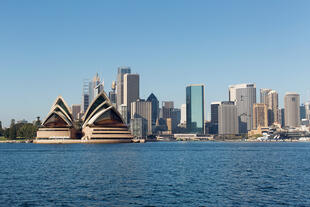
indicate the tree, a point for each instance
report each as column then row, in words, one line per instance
column 27, row 131
column 1, row 130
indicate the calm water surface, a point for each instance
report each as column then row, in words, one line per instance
column 155, row 174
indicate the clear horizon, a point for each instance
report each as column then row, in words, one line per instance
column 48, row 48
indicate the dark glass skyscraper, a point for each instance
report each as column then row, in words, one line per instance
column 155, row 107
column 195, row 110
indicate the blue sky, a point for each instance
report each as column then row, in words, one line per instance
column 47, row 48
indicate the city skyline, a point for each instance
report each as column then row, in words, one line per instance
column 210, row 43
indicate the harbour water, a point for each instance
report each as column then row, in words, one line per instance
column 155, row 174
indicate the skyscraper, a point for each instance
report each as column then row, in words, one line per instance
column 195, row 108
column 260, row 115
column 93, row 89
column 85, row 96
column 167, row 107
column 112, row 94
column 143, row 109
column 292, row 110
column 302, row 111
column 244, row 96
column 76, row 110
column 120, row 84
column 183, row 113
column 214, row 117
column 307, row 108
column 227, row 118
column 131, row 89
column 155, row 107
column 273, row 107
column 263, row 95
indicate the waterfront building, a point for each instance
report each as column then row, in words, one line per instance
column 244, row 96
column 213, row 126
column 76, row 111
column 120, row 84
column 143, row 109
column 103, row 123
column 195, row 108
column 183, row 113
column 227, row 118
column 58, row 123
column 264, row 95
column 138, row 128
column 292, row 110
column 260, row 115
column 155, row 108
column 272, row 102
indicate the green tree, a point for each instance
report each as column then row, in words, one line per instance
column 27, row 131
column 12, row 132
column 1, row 130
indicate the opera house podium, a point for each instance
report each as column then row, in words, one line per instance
column 101, row 123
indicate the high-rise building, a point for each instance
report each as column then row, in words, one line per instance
column 131, row 89
column 263, row 95
column 244, row 96
column 143, row 109
column 76, row 110
column 93, row 89
column 292, row 110
column 282, row 117
column 112, row 94
column 195, row 108
column 123, row 110
column 213, row 128
column 272, row 102
column 227, row 118
column 138, row 128
column 155, row 107
column 302, row 111
column 120, row 84
column 307, row 108
column 183, row 113
column 166, row 109
column 175, row 118
column 260, row 115
column 85, row 96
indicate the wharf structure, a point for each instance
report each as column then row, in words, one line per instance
column 101, row 123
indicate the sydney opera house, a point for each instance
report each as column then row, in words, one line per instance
column 101, row 123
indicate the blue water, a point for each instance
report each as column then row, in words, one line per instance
column 155, row 174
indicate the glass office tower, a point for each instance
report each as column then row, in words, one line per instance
column 195, row 110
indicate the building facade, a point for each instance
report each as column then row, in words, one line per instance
column 195, row 108
column 76, row 111
column 120, row 84
column 292, row 110
column 228, row 123
column 143, row 109
column 155, row 107
column 260, row 115
column 263, row 95
column 273, row 107
column 244, row 96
